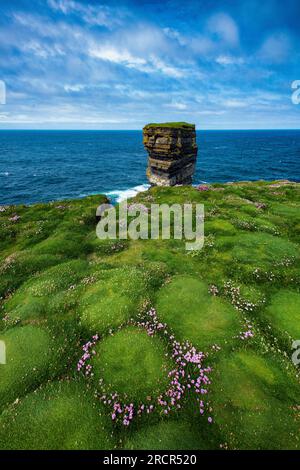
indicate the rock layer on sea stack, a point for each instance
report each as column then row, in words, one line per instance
column 172, row 153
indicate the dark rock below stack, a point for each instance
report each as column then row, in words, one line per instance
column 172, row 153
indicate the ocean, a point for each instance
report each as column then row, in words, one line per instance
column 40, row 166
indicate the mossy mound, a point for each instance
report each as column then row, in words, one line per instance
column 62, row 415
column 171, row 435
column 187, row 307
column 253, row 402
column 283, row 313
column 257, row 248
column 32, row 299
column 15, row 268
column 65, row 243
column 132, row 364
column 252, row 295
column 287, row 211
column 159, row 251
column 219, row 227
column 113, row 300
column 30, row 356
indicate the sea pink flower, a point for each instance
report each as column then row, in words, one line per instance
column 203, row 187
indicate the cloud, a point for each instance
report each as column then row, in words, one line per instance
column 229, row 60
column 41, row 25
column 125, row 58
column 174, row 34
column 277, row 48
column 224, row 27
column 65, row 6
column 118, row 56
column 113, row 63
column 178, row 105
column 211, row 112
column 74, row 88
column 201, row 44
column 235, row 103
column 161, row 66
column 43, row 50
column 100, row 15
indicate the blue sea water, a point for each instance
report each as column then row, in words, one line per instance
column 38, row 166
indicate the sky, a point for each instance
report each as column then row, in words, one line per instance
column 93, row 64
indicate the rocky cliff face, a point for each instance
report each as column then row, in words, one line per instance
column 172, row 153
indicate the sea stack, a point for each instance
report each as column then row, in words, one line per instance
column 172, row 153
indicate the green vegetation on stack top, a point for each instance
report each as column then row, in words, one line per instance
column 172, row 125
column 59, row 285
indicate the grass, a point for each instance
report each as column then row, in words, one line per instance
column 133, row 364
column 193, row 314
column 60, row 285
column 113, row 300
column 173, row 125
column 172, row 435
column 61, row 415
column 254, row 398
column 283, row 313
column 30, row 357
column 35, row 297
column 263, row 248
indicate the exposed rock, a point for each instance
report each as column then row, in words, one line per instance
column 281, row 183
column 172, row 153
column 15, row 218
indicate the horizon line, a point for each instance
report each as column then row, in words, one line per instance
column 140, row 129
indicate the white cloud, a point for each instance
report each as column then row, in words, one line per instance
column 44, row 51
column 179, row 105
column 161, row 66
column 235, row 103
column 142, row 47
column 74, row 88
column 118, row 56
column 211, row 113
column 174, row 34
column 65, row 6
column 144, row 38
column 99, row 15
column 224, row 27
column 276, row 48
column 124, row 57
column 229, row 60
column 201, row 44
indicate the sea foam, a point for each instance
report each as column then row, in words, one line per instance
column 119, row 195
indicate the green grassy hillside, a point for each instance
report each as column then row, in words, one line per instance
column 142, row 344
